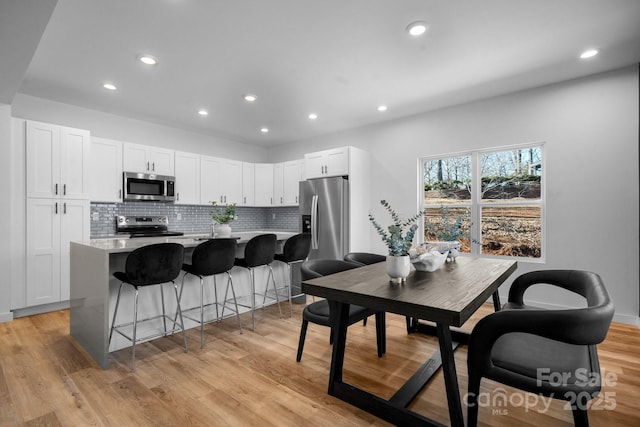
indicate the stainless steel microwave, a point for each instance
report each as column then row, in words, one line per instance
column 149, row 187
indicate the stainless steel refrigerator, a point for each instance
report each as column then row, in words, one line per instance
column 324, row 212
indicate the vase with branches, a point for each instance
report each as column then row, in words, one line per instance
column 399, row 239
column 222, row 215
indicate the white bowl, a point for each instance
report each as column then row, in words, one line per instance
column 429, row 261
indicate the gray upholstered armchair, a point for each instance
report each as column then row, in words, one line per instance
column 530, row 348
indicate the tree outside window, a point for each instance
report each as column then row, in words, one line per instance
column 492, row 199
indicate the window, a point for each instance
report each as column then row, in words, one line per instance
column 491, row 201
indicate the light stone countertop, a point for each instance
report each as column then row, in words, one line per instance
column 116, row 244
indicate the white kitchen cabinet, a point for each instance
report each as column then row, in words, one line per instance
column 248, row 177
column 51, row 224
column 321, row 164
column 231, row 180
column 221, row 180
column 263, row 184
column 105, row 170
column 293, row 174
column 278, row 184
column 210, row 185
column 286, row 178
column 148, row 159
column 57, row 161
column 187, row 173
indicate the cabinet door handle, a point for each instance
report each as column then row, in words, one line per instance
column 64, row 189
column 153, row 166
column 281, row 200
column 178, row 197
column 56, row 208
column 64, row 208
column 147, row 165
column 56, row 190
column 221, row 199
column 271, row 200
column 119, row 194
column 244, row 200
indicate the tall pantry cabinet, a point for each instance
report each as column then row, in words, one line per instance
column 57, row 207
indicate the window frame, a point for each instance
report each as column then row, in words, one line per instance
column 475, row 204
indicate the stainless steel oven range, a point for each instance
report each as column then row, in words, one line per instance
column 144, row 226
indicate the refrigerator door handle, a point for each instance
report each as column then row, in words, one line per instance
column 314, row 222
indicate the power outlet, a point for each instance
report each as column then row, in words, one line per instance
column 179, row 216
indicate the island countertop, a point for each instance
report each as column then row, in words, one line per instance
column 116, row 245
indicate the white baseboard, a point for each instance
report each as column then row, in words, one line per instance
column 6, row 317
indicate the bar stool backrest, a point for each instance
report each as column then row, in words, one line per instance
column 153, row 264
column 260, row 250
column 297, row 247
column 214, row 256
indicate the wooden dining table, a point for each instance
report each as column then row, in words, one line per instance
column 446, row 297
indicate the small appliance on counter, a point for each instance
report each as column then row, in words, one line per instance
column 144, row 226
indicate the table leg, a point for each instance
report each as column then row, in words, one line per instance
column 341, row 317
column 496, row 301
column 450, row 377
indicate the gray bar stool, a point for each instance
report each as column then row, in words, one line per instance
column 154, row 264
column 211, row 258
column 259, row 252
column 296, row 250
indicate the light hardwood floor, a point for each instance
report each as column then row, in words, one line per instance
column 252, row 379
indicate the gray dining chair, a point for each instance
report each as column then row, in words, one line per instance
column 518, row 344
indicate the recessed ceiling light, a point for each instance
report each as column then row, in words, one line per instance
column 382, row 108
column 148, row 59
column 203, row 112
column 109, row 86
column 250, row 97
column 313, row 116
column 590, row 53
column 264, row 130
column 417, row 28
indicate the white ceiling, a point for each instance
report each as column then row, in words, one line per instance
column 337, row 58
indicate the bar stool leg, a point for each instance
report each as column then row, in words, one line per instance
column 235, row 302
column 215, row 296
column 275, row 288
column 135, row 324
column 201, row 312
column 164, row 315
column 184, row 335
column 253, row 300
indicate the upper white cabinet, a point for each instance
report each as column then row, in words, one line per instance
column 248, row 177
column 187, row 173
column 105, row 170
column 57, row 161
column 321, row 164
column 231, row 179
column 147, row 159
column 221, row 180
column 286, row 179
column 210, row 186
column 263, row 184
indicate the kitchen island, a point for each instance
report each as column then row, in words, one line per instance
column 94, row 289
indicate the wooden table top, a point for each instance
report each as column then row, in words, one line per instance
column 449, row 295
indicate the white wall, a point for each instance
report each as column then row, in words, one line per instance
column 5, row 211
column 120, row 128
column 590, row 127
